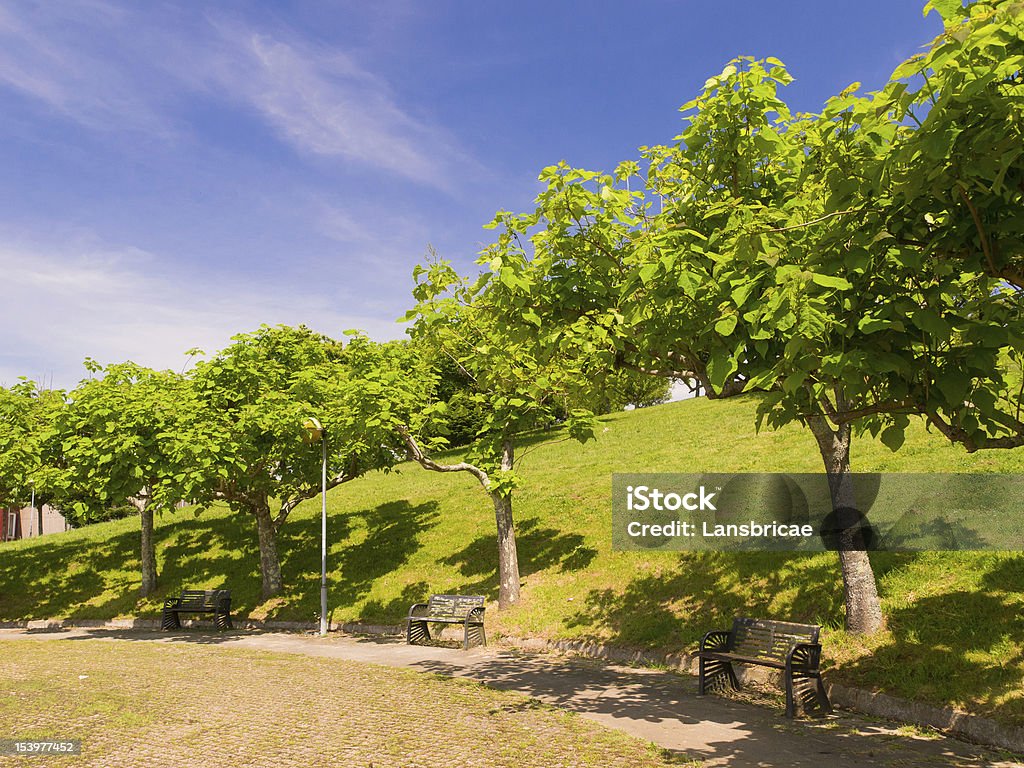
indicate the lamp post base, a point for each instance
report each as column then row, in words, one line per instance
column 323, row 610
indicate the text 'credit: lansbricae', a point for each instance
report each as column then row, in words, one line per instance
column 812, row 512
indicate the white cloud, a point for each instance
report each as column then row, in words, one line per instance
column 66, row 56
column 384, row 248
column 322, row 102
column 116, row 67
column 60, row 307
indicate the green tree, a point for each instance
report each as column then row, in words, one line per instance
column 130, row 435
column 946, row 195
column 26, row 418
column 261, row 389
column 757, row 253
column 464, row 414
column 628, row 388
column 513, row 389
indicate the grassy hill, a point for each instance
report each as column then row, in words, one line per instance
column 955, row 620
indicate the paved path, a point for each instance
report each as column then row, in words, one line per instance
column 658, row 706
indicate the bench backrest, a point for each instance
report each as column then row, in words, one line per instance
column 204, row 599
column 767, row 639
column 456, row 606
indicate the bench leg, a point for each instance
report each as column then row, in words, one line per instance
column 806, row 689
column 715, row 674
column 790, row 704
column 416, row 632
column 822, row 694
column 474, row 635
column 169, row 620
column 811, row 692
column 223, row 621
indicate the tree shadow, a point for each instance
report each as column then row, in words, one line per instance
column 391, row 537
column 720, row 730
column 960, row 647
column 396, row 609
column 707, row 590
column 539, row 549
column 72, row 576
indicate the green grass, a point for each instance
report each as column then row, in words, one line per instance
column 955, row 628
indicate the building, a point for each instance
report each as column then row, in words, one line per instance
column 26, row 522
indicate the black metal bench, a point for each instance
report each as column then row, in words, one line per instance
column 792, row 648
column 467, row 610
column 215, row 601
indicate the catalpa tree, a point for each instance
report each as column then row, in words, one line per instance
column 132, row 435
column 261, row 390
column 26, row 420
column 740, row 257
column 514, row 389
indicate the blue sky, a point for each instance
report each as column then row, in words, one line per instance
column 174, row 173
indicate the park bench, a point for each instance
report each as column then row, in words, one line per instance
column 791, row 648
column 215, row 601
column 467, row 610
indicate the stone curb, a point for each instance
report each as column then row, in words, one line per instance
column 973, row 728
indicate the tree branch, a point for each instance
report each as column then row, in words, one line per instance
column 981, row 231
column 953, row 434
column 845, row 417
column 809, row 223
column 417, row 455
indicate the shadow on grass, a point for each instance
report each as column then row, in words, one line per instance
column 71, row 576
column 964, row 646
column 958, row 647
column 703, row 591
column 539, row 549
column 385, row 538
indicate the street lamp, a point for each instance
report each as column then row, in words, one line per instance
column 315, row 431
column 33, row 514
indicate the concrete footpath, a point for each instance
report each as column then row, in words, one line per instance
column 658, row 706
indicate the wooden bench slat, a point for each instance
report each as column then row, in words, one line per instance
column 759, row 660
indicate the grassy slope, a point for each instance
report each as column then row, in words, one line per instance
column 956, row 633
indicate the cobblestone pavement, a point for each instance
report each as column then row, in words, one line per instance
column 144, row 704
column 270, row 709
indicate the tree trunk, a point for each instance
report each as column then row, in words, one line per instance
column 508, row 557
column 860, row 592
column 148, row 548
column 270, row 564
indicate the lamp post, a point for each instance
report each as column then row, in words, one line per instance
column 317, row 432
column 33, row 515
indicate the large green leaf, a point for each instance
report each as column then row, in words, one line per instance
column 726, row 325
column 893, row 437
column 832, row 281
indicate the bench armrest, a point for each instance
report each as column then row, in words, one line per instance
column 805, row 656
column 418, row 611
column 172, row 602
column 475, row 614
column 716, row 640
